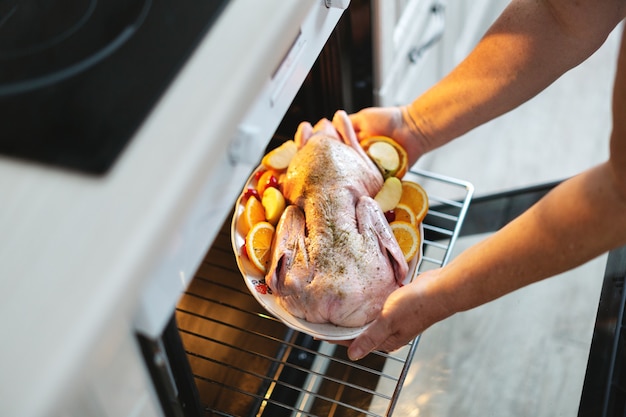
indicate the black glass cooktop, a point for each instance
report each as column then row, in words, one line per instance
column 78, row 77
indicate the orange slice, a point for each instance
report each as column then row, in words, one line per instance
column 408, row 238
column 265, row 180
column 414, row 196
column 259, row 245
column 253, row 213
column 402, row 155
column 404, row 213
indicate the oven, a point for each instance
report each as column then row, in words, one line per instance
column 129, row 130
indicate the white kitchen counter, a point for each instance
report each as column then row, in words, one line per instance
column 76, row 251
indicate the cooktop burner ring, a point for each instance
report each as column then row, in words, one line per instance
column 73, row 36
column 58, row 30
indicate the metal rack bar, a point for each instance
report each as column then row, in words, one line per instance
column 247, row 363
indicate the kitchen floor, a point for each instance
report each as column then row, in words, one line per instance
column 524, row 354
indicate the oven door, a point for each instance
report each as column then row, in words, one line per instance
column 213, row 203
column 245, row 147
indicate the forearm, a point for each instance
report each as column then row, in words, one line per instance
column 531, row 45
column 579, row 220
column 528, row 47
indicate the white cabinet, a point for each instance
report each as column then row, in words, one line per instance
column 404, row 34
column 466, row 22
column 416, row 42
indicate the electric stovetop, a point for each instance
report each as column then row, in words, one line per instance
column 78, row 77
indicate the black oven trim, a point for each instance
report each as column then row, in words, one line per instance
column 604, row 389
column 171, row 374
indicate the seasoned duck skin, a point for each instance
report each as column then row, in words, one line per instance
column 334, row 257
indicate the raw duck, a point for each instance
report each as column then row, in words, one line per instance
column 334, row 256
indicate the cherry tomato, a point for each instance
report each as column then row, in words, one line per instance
column 272, row 181
column 390, row 216
column 258, row 174
column 251, row 192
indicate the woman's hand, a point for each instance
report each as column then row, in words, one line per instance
column 407, row 312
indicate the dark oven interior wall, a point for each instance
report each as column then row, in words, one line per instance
column 341, row 77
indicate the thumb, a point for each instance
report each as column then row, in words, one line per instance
column 365, row 343
column 355, row 120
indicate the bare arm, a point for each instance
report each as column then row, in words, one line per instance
column 531, row 44
column 580, row 219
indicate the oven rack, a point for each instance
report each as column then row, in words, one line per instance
column 247, row 363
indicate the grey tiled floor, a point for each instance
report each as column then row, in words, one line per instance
column 524, row 354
